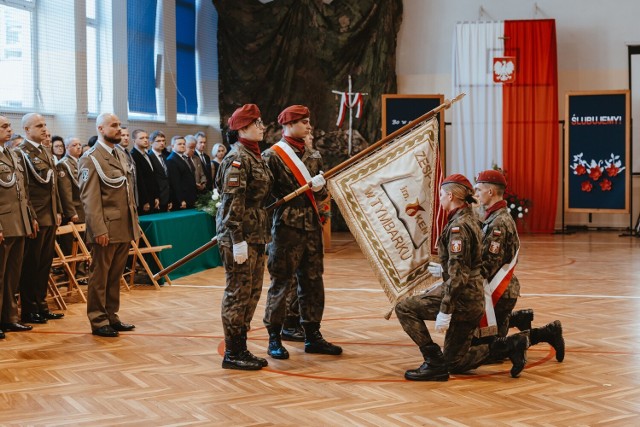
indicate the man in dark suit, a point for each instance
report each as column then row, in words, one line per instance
column 201, row 153
column 148, row 197
column 182, row 181
column 112, row 222
column 43, row 193
column 16, row 222
column 158, row 161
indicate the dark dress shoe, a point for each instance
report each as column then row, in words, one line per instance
column 122, row 327
column 2, row 336
column 15, row 327
column 105, row 331
column 33, row 318
column 52, row 316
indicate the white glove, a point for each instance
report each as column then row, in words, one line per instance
column 442, row 322
column 240, row 252
column 317, row 182
column 435, row 269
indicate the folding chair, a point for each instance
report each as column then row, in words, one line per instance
column 138, row 251
column 67, row 262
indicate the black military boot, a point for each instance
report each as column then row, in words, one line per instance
column 245, row 353
column 276, row 349
column 521, row 319
column 552, row 334
column 434, row 367
column 292, row 330
column 515, row 348
column 315, row 343
column 234, row 357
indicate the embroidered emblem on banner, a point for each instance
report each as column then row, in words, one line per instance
column 388, row 200
column 494, row 247
column 84, row 174
column 456, row 246
column 504, row 69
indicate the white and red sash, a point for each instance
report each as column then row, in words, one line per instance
column 300, row 171
column 492, row 292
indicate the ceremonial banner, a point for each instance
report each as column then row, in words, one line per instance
column 388, row 200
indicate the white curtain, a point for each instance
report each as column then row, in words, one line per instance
column 476, row 134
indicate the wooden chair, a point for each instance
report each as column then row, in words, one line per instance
column 138, row 251
column 68, row 264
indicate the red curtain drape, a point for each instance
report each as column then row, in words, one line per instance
column 530, row 126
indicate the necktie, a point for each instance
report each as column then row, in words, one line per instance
column 115, row 154
column 190, row 163
column 164, row 165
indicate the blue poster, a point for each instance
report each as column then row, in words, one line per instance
column 597, row 152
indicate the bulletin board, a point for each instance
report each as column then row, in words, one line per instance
column 398, row 110
column 597, row 152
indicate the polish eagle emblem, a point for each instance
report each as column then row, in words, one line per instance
column 504, row 70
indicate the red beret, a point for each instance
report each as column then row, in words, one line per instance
column 244, row 116
column 457, row 178
column 292, row 113
column 491, row 177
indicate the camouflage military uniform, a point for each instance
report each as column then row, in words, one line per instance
column 245, row 183
column 499, row 246
column 296, row 250
column 461, row 294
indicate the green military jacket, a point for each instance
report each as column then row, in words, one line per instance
column 460, row 252
column 298, row 212
column 244, row 181
column 499, row 246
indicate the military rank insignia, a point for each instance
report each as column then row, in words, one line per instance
column 456, row 246
column 236, row 164
column 234, row 181
column 494, row 247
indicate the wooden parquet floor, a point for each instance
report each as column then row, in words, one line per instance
column 167, row 372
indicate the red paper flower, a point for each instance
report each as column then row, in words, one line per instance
column 580, row 170
column 612, row 170
column 587, row 186
column 596, row 173
column 605, row 185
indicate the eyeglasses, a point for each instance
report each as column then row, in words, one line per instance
column 258, row 123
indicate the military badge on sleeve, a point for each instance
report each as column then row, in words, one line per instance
column 494, row 247
column 236, row 164
column 84, row 174
column 233, row 181
column 455, row 246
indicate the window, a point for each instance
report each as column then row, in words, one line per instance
column 93, row 58
column 187, row 98
column 16, row 58
column 141, row 22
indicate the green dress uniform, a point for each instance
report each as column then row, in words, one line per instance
column 109, row 205
column 15, row 223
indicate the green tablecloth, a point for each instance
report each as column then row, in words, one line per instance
column 186, row 230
